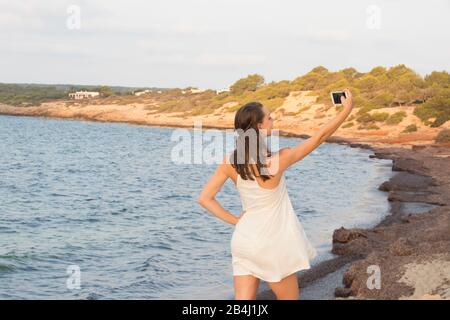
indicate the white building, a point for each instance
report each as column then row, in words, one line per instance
column 83, row 95
column 193, row 90
column 223, row 90
column 139, row 93
column 196, row 90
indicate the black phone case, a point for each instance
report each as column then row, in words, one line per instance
column 337, row 97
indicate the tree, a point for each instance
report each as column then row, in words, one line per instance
column 441, row 79
column 349, row 72
column 105, row 91
column 398, row 71
column 368, row 83
column 436, row 107
column 319, row 70
column 378, row 71
column 249, row 83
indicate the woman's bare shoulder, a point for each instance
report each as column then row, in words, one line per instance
column 275, row 160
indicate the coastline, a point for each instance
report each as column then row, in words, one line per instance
column 395, row 244
column 351, row 142
column 298, row 116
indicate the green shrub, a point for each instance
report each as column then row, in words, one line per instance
column 440, row 120
column 365, row 118
column 443, row 136
column 380, row 116
column 368, row 106
column 396, row 118
column 437, row 107
column 410, row 128
column 370, row 126
column 348, row 125
column 375, row 117
column 272, row 104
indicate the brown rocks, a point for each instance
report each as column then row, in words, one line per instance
column 401, row 247
column 408, row 165
column 356, row 246
column 385, row 186
column 342, row 292
column 349, row 241
column 343, row 235
column 351, row 274
column 402, row 240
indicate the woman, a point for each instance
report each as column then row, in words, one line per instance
column 268, row 241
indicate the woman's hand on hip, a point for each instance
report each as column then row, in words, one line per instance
column 240, row 216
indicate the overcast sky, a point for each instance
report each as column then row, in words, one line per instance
column 212, row 43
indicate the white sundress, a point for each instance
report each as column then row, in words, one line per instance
column 268, row 241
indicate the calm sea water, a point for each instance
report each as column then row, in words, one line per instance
column 108, row 199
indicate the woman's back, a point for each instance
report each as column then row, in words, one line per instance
column 254, row 197
column 268, row 240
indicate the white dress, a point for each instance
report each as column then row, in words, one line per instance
column 268, row 241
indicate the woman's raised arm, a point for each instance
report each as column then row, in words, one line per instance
column 289, row 156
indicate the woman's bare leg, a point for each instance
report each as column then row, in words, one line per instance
column 287, row 288
column 245, row 287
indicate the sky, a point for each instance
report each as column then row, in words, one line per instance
column 212, row 43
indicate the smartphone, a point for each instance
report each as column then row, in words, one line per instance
column 336, row 97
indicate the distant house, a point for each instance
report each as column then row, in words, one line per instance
column 223, row 90
column 139, row 93
column 193, row 90
column 196, row 90
column 83, row 95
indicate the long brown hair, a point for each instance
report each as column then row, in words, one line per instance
column 247, row 119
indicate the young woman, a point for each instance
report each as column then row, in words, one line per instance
column 268, row 241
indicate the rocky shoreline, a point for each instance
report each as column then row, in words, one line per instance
column 410, row 249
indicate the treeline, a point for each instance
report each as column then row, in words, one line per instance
column 16, row 94
column 34, row 94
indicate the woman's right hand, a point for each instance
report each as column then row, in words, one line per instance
column 347, row 101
